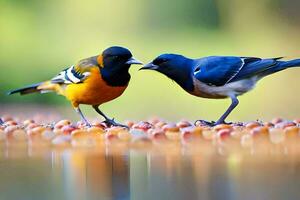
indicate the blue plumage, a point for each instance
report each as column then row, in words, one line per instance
column 217, row 70
column 218, row 76
column 220, row 70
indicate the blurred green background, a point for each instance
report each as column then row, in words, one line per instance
column 40, row 38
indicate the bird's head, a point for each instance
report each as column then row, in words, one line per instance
column 174, row 66
column 116, row 59
column 114, row 64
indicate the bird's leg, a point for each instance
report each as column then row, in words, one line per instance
column 234, row 103
column 110, row 122
column 83, row 119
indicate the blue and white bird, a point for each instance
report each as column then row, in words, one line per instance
column 218, row 77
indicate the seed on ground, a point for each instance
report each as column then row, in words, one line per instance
column 252, row 125
column 78, row 134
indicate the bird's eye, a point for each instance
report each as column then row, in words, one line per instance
column 113, row 57
column 160, row 61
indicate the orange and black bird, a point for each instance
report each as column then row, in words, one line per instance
column 92, row 81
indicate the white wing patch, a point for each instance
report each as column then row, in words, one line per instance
column 242, row 65
column 72, row 75
column 197, row 70
column 69, row 76
column 60, row 78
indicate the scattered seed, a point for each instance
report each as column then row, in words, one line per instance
column 284, row 124
column 183, row 124
column 62, row 123
column 223, row 133
column 67, row 129
column 222, row 126
column 259, row 130
column 171, row 127
column 142, row 126
column 252, row 125
column 64, row 133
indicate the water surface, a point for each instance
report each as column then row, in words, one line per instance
column 32, row 172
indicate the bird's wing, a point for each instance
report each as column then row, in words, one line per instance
column 217, row 70
column 220, row 70
column 256, row 68
column 70, row 75
column 76, row 73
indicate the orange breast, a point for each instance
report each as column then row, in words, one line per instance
column 93, row 91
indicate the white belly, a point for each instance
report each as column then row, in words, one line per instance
column 235, row 88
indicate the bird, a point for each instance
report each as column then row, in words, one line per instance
column 91, row 81
column 218, row 77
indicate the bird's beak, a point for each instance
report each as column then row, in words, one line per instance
column 133, row 60
column 150, row 66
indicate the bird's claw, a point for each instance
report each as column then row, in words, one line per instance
column 111, row 122
column 88, row 125
column 211, row 124
column 204, row 123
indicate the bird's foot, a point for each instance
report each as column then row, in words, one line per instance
column 111, row 122
column 211, row 124
column 87, row 124
column 238, row 124
column 201, row 122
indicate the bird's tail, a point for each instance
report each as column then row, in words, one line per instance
column 42, row 87
column 289, row 63
column 26, row 90
column 280, row 65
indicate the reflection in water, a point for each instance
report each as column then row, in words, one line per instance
column 32, row 172
column 92, row 176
